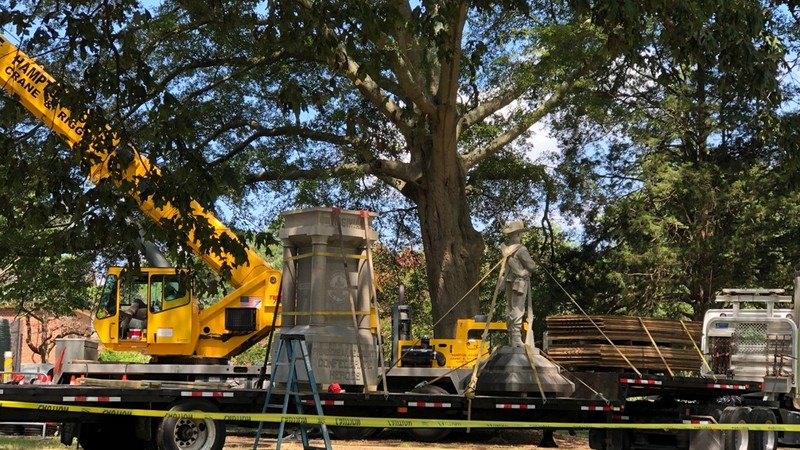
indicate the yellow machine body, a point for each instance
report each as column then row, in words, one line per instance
column 173, row 324
column 461, row 351
column 182, row 328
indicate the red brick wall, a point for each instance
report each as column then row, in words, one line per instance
column 79, row 324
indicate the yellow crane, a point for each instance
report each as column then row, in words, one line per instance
column 153, row 310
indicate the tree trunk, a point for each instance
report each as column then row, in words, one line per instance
column 36, row 349
column 452, row 246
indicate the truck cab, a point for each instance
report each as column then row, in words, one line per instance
column 755, row 337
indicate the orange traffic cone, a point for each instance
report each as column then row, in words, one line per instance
column 72, row 380
column 124, row 377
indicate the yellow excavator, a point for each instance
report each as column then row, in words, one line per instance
column 152, row 310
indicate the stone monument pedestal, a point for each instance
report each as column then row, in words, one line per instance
column 508, row 370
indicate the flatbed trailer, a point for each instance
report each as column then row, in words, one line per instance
column 620, row 398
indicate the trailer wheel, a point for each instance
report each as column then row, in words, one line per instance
column 602, row 439
column 762, row 440
column 91, row 437
column 429, row 434
column 735, row 439
column 191, row 434
column 597, row 439
column 68, row 432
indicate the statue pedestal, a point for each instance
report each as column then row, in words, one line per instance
column 508, row 370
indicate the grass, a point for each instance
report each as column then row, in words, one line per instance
column 30, row 442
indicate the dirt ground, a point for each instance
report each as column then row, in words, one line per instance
column 393, row 439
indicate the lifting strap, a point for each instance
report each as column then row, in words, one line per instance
column 529, row 342
column 572, row 299
column 374, row 301
column 655, row 346
column 474, row 286
column 469, row 392
column 697, row 349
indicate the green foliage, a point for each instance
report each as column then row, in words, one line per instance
column 58, row 285
column 252, row 356
column 316, row 104
column 424, row 110
column 29, row 442
column 128, row 357
column 402, row 271
column 670, row 166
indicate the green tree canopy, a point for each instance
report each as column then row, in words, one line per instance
column 385, row 105
column 672, row 166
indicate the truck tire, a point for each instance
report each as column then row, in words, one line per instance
column 429, row 434
column 602, row 439
column 91, row 437
column 597, row 439
column 762, row 440
column 175, row 433
column 619, row 440
column 735, row 439
column 69, row 431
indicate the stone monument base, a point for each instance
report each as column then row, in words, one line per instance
column 508, row 370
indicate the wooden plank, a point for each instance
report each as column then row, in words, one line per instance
column 655, row 346
column 576, row 341
column 606, row 356
column 620, row 328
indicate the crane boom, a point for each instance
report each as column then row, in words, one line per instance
column 34, row 87
column 169, row 326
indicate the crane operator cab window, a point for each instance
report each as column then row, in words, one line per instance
column 167, row 292
column 108, row 298
column 133, row 306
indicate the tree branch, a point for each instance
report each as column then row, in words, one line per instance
column 490, row 107
column 380, row 168
column 408, row 47
column 451, row 66
column 404, row 67
column 262, row 131
column 475, row 157
column 369, row 88
column 296, row 173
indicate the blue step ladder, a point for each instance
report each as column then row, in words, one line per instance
column 290, row 345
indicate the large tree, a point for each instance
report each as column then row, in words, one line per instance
column 680, row 190
column 418, row 104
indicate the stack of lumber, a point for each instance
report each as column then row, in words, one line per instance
column 576, row 342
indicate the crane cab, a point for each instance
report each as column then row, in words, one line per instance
column 150, row 310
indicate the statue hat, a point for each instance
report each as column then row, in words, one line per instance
column 514, row 227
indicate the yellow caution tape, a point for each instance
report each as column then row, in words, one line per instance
column 372, row 422
column 329, row 254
